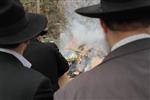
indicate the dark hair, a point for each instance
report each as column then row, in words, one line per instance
column 128, row 20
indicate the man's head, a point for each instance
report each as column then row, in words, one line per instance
column 40, row 37
column 120, row 26
column 18, row 26
column 120, row 18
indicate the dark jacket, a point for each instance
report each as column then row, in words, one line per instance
column 124, row 75
column 20, row 83
column 46, row 58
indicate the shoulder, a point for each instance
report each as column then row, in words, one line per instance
column 40, row 47
column 49, row 46
column 78, row 86
column 89, row 84
column 25, row 80
column 52, row 46
column 32, row 74
column 41, row 85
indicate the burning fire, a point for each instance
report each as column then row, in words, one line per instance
column 82, row 39
column 81, row 59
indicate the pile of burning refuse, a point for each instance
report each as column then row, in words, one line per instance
column 82, row 59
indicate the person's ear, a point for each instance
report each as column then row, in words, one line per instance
column 104, row 27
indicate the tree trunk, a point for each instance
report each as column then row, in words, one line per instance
column 38, row 6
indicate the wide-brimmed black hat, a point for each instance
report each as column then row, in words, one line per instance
column 16, row 25
column 110, row 7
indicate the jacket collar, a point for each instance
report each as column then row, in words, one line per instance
column 129, row 48
column 6, row 57
column 23, row 60
column 130, row 39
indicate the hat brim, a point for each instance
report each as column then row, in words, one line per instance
column 96, row 11
column 91, row 11
column 36, row 24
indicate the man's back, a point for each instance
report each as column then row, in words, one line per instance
column 20, row 83
column 46, row 59
column 124, row 75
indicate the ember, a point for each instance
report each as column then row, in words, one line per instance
column 82, row 59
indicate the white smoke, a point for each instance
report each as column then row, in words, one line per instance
column 82, row 30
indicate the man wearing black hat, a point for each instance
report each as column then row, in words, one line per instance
column 125, row 72
column 46, row 58
column 17, row 80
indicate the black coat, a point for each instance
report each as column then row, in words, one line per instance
column 46, row 58
column 20, row 83
column 124, row 75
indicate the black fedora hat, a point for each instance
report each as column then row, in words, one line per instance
column 16, row 25
column 110, row 7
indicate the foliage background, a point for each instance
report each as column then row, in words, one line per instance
column 54, row 12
